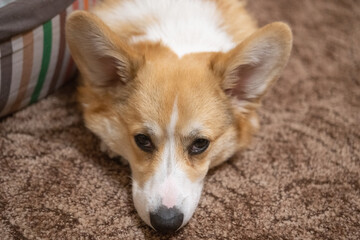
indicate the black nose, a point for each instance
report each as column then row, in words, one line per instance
column 166, row 220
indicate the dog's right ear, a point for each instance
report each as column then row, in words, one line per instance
column 102, row 57
column 253, row 65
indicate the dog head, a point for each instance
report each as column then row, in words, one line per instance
column 172, row 118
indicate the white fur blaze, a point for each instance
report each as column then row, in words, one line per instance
column 185, row 26
column 168, row 189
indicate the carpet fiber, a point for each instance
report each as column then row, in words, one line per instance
column 298, row 180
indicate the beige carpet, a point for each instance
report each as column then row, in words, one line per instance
column 299, row 179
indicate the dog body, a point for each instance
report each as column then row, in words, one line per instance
column 173, row 86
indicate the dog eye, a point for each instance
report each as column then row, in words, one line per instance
column 144, row 143
column 198, row 146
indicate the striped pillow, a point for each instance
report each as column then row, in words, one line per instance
column 36, row 62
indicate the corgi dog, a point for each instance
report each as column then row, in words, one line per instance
column 173, row 87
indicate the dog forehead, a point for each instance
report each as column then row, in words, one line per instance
column 194, row 115
column 160, row 82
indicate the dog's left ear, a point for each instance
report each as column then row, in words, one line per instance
column 249, row 69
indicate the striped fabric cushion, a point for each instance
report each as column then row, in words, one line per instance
column 35, row 63
column 5, row 2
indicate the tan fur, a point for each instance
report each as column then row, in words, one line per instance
column 143, row 80
column 237, row 22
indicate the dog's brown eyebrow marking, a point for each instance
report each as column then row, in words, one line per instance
column 194, row 133
column 151, row 130
column 148, row 130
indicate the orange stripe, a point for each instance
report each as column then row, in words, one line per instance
column 76, row 5
column 28, row 52
column 86, row 5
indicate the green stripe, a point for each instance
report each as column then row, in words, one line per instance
column 47, row 28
